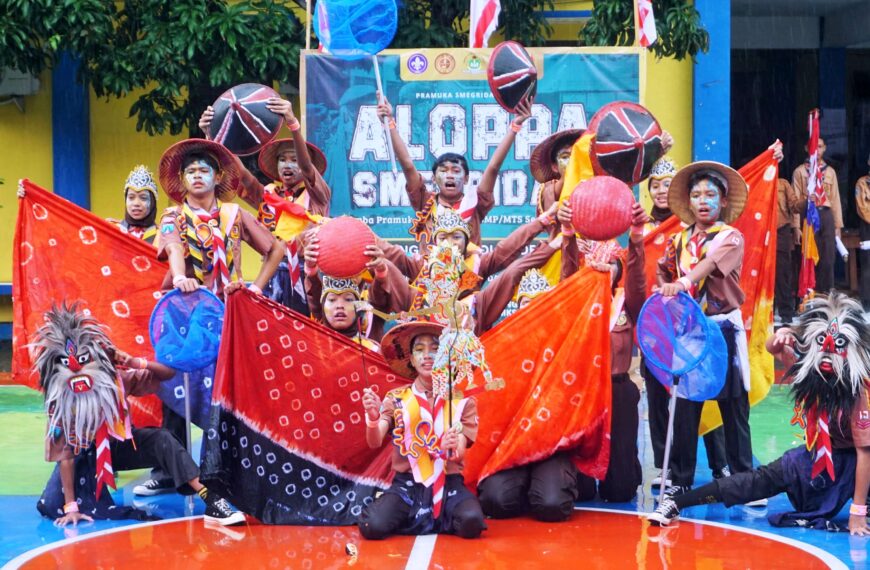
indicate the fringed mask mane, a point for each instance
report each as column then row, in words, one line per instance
column 833, row 341
column 76, row 374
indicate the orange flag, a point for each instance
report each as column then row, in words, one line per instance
column 63, row 253
column 556, row 397
column 758, row 225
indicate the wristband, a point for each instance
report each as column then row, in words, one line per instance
column 546, row 219
column 253, row 287
column 141, row 363
column 372, row 424
column 381, row 270
column 516, row 128
column 392, row 124
column 567, row 230
column 178, row 279
column 686, row 283
column 858, row 510
column 294, row 126
column 70, row 507
column 310, row 270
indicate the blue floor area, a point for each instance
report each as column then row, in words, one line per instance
column 24, row 529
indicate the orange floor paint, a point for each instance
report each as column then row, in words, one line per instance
column 589, row 540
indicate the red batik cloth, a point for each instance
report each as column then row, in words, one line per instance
column 64, row 253
column 554, row 357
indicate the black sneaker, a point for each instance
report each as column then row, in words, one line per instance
column 154, row 487
column 666, row 513
column 219, row 511
column 675, row 490
column 721, row 473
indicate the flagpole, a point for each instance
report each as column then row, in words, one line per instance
column 386, row 121
column 636, row 11
column 308, row 24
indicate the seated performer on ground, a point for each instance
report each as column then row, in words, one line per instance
column 202, row 238
column 449, row 176
column 85, row 381
column 335, row 302
column 426, row 445
column 296, row 168
column 705, row 260
column 140, row 197
column 829, row 357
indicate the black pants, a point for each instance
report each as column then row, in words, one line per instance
column 864, row 269
column 547, row 489
column 786, row 280
column 624, row 473
column 175, row 425
column 657, row 413
column 402, row 512
column 155, row 447
column 825, row 240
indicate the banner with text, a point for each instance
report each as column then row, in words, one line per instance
column 442, row 103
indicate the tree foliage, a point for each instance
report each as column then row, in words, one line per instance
column 181, row 53
column 677, row 24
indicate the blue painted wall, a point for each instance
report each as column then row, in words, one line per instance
column 711, row 101
column 70, row 133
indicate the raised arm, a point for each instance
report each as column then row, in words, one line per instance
column 635, row 276
column 413, row 181
column 512, row 246
column 487, row 182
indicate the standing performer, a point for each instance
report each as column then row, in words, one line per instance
column 421, row 500
column 140, row 197
column 827, row 201
column 862, row 204
column 450, row 175
column 202, row 238
column 297, row 168
column 705, row 260
column 830, row 368
column 86, row 381
column 788, row 236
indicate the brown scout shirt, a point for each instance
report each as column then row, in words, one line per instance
column 855, row 433
column 723, row 282
column 319, row 195
column 832, row 191
column 418, row 195
column 469, row 429
column 136, row 383
column 247, row 228
column 787, row 204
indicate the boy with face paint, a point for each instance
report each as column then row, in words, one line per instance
column 296, row 168
column 830, row 215
column 705, row 260
column 450, row 175
column 140, row 197
column 338, row 303
column 419, row 501
column 202, row 238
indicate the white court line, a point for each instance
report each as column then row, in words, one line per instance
column 21, row 559
column 832, row 561
column 421, row 553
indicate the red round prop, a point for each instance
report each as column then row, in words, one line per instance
column 601, row 207
column 342, row 243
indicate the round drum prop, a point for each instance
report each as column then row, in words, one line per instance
column 512, row 75
column 628, row 141
column 342, row 243
column 354, row 29
column 241, row 122
column 601, row 208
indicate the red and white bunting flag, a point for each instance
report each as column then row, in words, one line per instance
column 645, row 23
column 484, row 20
column 815, row 188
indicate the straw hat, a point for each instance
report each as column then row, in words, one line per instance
column 736, row 190
column 268, row 160
column 396, row 344
column 173, row 157
column 543, row 162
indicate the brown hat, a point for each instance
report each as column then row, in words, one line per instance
column 396, row 344
column 543, row 162
column 736, row 190
column 173, row 158
column 268, row 160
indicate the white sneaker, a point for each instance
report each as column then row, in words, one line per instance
column 757, row 503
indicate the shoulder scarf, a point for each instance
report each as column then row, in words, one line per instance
column 210, row 238
column 418, row 432
column 145, row 234
column 266, row 216
column 688, row 250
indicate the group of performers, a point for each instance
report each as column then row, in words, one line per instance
column 86, row 379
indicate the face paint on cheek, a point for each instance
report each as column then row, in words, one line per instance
column 713, row 203
column 562, row 162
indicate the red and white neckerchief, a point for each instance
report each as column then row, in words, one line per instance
column 220, row 269
column 819, row 442
column 121, row 431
